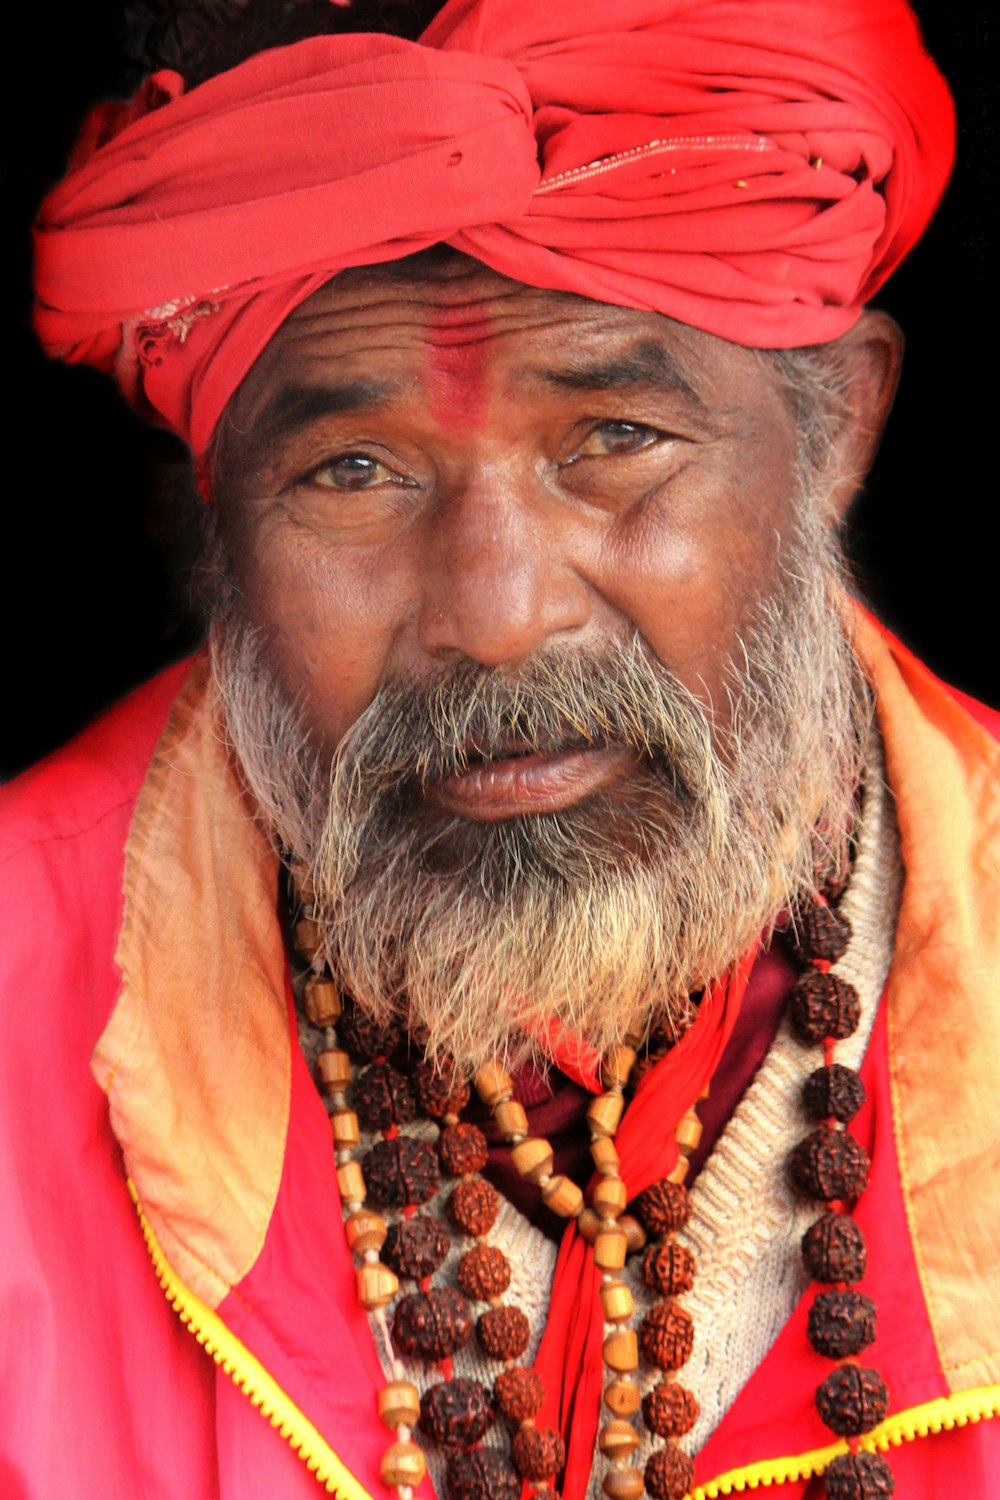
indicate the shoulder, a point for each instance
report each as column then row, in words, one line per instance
column 97, row 774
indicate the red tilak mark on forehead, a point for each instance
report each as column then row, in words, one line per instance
column 455, row 378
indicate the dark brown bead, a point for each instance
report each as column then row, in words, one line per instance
column 666, row 1336
column 538, row 1452
column 640, row 1068
column 483, row 1272
column 830, row 1164
column 859, row 1476
column 358, row 1034
column 416, row 1247
column 834, row 1092
column 519, row 1393
column 852, row 1400
column 401, row 1172
column 441, row 1089
column 456, row 1413
column 474, row 1206
column 664, row 1207
column 841, row 1324
column 482, row 1474
column 833, row 1249
column 669, row 1473
column 463, row 1150
column 431, row 1325
column 669, row 1268
column 821, row 932
column 504, row 1332
column 669, row 1409
column 824, row 1005
column 382, row 1096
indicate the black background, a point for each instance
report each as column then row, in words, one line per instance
column 97, row 542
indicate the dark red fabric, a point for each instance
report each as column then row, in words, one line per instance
column 755, row 170
column 556, row 1105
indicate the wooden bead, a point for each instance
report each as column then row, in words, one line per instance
column 351, row 1182
column 689, row 1132
column 322, row 1001
column 345, row 1129
column 562, row 1195
column 610, row 1248
column 605, row 1154
column 308, row 937
column 493, row 1084
column 377, row 1285
column 334, row 1068
column 621, row 1350
column 680, row 1171
column 399, row 1404
column 403, row 1463
column 623, row 1484
column 511, row 1118
column 533, row 1158
column 635, row 1235
column 365, row 1231
column 617, row 1439
column 589, row 1225
column 617, row 1301
column 622, row 1396
column 617, row 1065
column 610, row 1197
column 604, row 1113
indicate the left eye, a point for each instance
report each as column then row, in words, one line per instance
column 612, row 439
column 352, row 471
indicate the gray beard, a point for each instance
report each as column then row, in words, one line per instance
column 603, row 916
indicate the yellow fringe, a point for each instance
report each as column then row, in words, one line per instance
column 939, row 1415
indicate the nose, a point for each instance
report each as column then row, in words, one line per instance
column 498, row 577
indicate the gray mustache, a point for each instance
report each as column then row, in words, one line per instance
column 418, row 732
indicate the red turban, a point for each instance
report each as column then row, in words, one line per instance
column 755, row 168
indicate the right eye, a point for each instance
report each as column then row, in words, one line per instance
column 353, row 471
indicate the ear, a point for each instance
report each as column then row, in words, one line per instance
column 872, row 355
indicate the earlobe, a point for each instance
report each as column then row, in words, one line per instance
column 872, row 356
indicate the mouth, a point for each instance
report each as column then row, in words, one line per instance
column 521, row 779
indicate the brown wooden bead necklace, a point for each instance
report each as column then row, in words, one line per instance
column 401, row 1173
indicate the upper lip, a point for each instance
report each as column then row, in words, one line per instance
column 476, row 752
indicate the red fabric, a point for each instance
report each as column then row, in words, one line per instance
column 755, row 170
column 570, row 1359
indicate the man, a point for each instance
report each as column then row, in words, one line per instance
column 530, row 664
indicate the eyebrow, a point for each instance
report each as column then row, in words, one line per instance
column 297, row 406
column 647, row 363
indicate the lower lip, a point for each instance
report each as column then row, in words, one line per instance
column 536, row 783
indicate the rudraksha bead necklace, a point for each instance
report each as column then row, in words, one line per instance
column 402, row 1173
column 831, row 1166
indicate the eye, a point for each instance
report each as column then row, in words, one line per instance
column 353, row 471
column 616, row 439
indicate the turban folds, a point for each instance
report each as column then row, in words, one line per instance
column 754, row 168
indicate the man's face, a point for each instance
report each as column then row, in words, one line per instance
column 527, row 648
column 468, row 469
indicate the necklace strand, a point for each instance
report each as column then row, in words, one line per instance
column 830, row 1165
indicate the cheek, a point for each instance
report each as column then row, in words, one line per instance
column 690, row 567
column 331, row 619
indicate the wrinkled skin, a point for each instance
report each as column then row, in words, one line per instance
column 422, row 471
